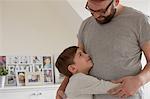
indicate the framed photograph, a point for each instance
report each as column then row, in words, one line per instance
column 48, row 76
column 10, row 80
column 47, row 62
column 20, row 77
column 24, row 59
column 2, row 61
column 37, row 59
column 12, row 59
column 38, row 67
column 11, row 69
column 33, row 78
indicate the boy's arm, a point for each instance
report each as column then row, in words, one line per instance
column 92, row 85
column 62, row 88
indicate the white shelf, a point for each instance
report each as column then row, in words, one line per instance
column 23, row 88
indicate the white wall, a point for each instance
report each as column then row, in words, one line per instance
column 37, row 27
column 0, row 26
column 148, row 7
column 141, row 5
column 79, row 7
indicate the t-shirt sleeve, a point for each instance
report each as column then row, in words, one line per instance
column 91, row 85
column 144, row 30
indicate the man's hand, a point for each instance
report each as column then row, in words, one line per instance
column 128, row 87
column 60, row 94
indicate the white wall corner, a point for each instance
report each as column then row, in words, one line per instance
column 79, row 7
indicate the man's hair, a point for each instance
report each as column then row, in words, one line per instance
column 65, row 59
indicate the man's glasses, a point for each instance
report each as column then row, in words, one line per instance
column 98, row 11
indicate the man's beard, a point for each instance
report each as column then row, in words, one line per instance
column 108, row 18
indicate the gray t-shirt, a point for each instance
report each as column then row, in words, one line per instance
column 115, row 47
column 82, row 86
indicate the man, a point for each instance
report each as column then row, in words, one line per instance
column 115, row 36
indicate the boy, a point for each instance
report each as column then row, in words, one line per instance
column 75, row 64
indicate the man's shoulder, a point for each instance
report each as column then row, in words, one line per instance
column 88, row 20
column 134, row 12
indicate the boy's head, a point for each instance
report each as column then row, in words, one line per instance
column 73, row 60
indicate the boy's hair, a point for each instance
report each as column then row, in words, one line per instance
column 65, row 59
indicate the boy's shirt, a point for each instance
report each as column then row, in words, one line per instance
column 82, row 86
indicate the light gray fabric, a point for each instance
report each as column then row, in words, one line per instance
column 115, row 47
column 82, row 86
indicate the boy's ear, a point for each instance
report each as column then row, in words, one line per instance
column 72, row 68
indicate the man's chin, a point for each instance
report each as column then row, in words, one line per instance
column 102, row 21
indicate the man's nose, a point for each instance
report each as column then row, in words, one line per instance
column 96, row 14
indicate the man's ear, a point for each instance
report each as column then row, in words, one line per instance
column 116, row 2
column 72, row 68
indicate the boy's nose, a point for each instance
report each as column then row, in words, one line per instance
column 87, row 55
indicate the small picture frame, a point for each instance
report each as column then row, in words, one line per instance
column 11, row 80
column 12, row 59
column 20, row 76
column 48, row 76
column 3, row 61
column 33, row 78
column 38, row 67
column 47, row 62
column 24, row 60
column 37, row 59
column 11, row 69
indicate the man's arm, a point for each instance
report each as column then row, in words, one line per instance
column 131, row 84
column 145, row 73
column 62, row 88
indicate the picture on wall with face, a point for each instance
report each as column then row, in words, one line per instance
column 48, row 76
column 37, row 59
column 10, row 80
column 2, row 61
column 12, row 59
column 33, row 78
column 47, row 62
column 20, row 75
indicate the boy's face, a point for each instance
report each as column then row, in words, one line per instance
column 82, row 61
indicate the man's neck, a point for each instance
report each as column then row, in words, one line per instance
column 120, row 9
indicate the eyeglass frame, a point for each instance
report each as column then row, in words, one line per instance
column 95, row 11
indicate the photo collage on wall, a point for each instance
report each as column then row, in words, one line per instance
column 28, row 70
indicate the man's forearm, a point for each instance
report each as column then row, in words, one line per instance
column 144, row 76
column 64, row 84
